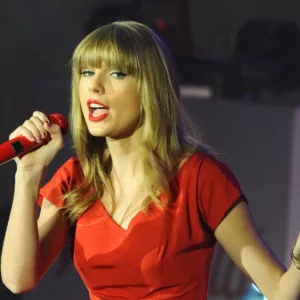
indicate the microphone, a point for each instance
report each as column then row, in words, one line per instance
column 21, row 145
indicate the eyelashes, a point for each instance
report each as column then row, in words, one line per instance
column 87, row 73
column 114, row 74
column 118, row 75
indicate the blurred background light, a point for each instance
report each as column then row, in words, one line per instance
column 253, row 293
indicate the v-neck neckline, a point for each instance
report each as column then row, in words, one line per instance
column 115, row 223
column 151, row 205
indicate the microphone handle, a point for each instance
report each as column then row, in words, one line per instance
column 18, row 146
column 21, row 145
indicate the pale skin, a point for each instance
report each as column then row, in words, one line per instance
column 22, row 267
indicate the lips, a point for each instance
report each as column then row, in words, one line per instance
column 96, row 102
column 97, row 110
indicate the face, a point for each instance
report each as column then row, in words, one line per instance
column 110, row 102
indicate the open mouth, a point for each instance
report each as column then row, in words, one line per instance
column 96, row 110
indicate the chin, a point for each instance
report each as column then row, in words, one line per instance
column 96, row 132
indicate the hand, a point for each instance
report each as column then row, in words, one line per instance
column 296, row 253
column 36, row 129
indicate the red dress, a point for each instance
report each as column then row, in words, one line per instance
column 163, row 255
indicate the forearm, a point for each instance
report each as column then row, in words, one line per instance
column 289, row 285
column 20, row 252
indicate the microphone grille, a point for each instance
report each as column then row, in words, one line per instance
column 61, row 121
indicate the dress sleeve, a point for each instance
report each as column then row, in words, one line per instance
column 218, row 191
column 66, row 177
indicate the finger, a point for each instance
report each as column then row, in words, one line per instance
column 40, row 115
column 28, row 124
column 39, row 125
column 55, row 133
column 22, row 131
column 53, row 129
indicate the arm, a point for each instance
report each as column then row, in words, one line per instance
column 28, row 247
column 237, row 236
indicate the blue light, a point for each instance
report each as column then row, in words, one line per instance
column 253, row 293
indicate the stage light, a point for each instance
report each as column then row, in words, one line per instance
column 160, row 24
column 253, row 293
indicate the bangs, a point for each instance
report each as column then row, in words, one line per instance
column 105, row 45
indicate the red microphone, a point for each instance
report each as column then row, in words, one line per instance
column 20, row 145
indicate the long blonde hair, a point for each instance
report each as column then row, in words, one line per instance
column 168, row 135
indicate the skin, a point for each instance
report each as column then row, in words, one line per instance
column 116, row 90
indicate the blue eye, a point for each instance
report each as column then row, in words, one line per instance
column 118, row 75
column 87, row 73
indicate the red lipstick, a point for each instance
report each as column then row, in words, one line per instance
column 93, row 101
column 97, row 110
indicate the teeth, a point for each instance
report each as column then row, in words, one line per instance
column 94, row 105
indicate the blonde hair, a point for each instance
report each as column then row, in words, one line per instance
column 168, row 136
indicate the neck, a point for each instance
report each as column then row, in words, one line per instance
column 124, row 154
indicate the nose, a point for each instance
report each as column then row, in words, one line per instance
column 96, row 86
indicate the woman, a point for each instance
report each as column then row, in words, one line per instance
column 148, row 200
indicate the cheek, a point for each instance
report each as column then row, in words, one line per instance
column 134, row 104
column 80, row 89
column 133, row 99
